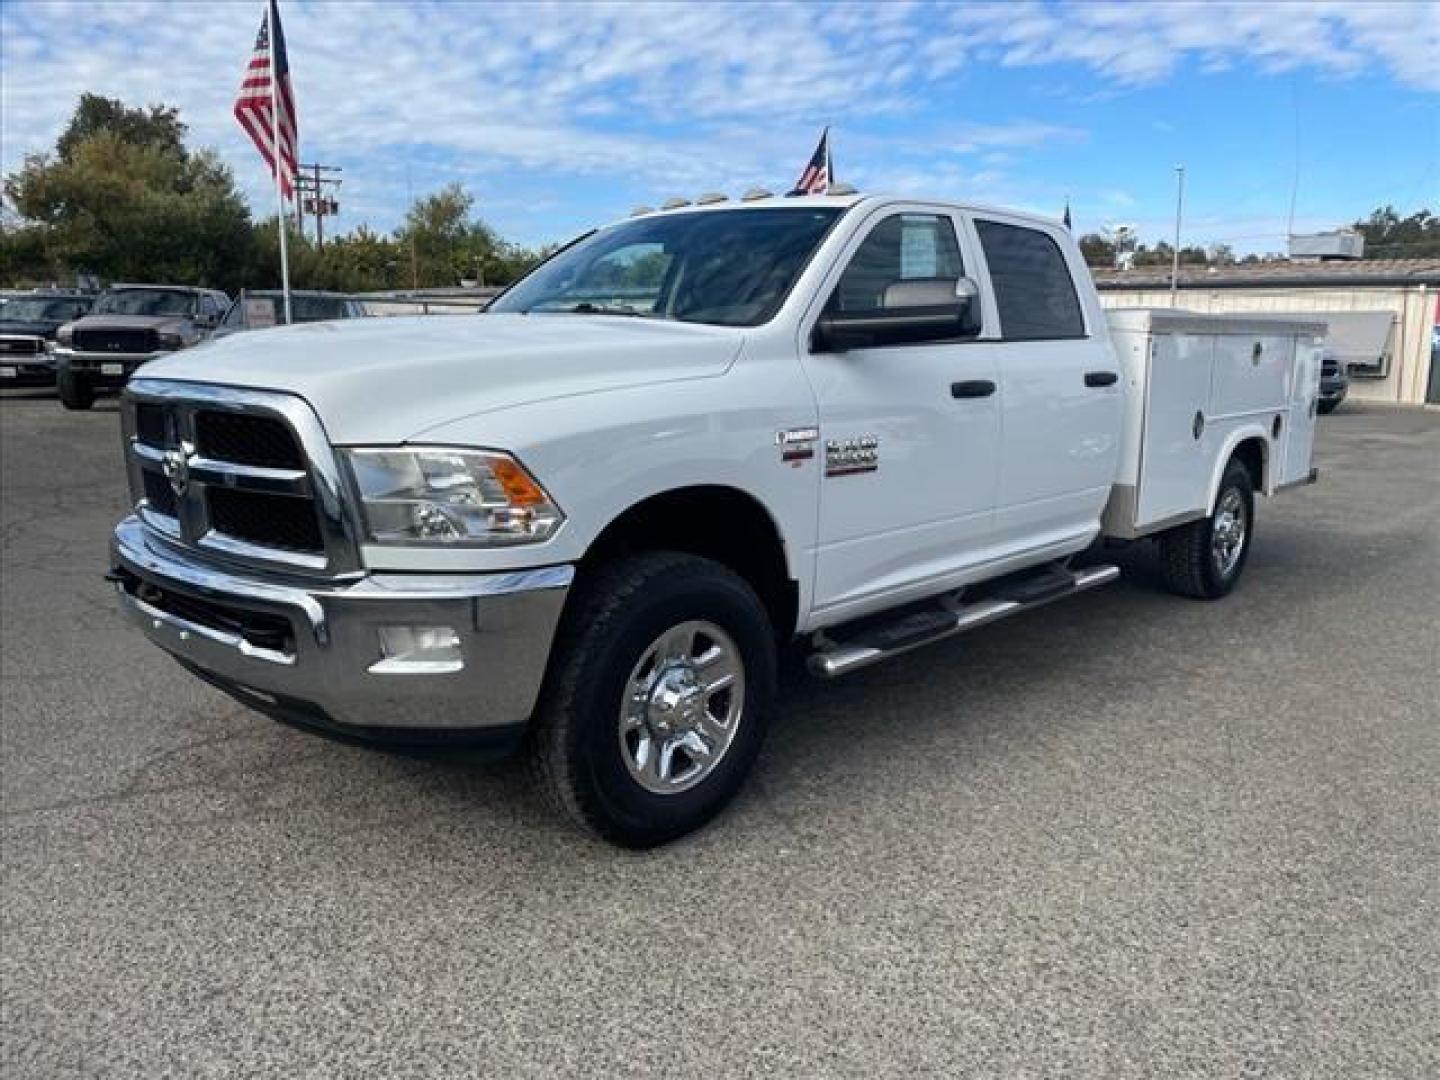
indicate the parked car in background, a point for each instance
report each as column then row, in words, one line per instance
column 266, row 307
column 1334, row 380
column 28, row 322
column 129, row 325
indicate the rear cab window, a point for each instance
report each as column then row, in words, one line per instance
column 1034, row 291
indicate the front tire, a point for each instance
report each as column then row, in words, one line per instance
column 657, row 700
column 75, row 392
column 1205, row 558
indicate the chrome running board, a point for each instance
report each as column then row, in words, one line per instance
column 911, row 631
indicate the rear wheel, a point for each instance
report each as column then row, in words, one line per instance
column 1205, row 558
column 75, row 391
column 657, row 700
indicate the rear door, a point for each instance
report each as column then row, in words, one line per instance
column 1060, row 387
column 908, row 461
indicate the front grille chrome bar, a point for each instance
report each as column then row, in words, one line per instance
column 186, row 517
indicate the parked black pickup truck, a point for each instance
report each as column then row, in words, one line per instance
column 129, row 325
column 28, row 323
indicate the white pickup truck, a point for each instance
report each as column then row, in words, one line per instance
column 590, row 518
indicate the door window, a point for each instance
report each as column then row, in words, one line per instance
column 1033, row 287
column 902, row 248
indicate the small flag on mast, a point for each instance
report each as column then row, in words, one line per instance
column 818, row 175
column 255, row 108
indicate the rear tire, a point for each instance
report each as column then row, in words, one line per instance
column 1205, row 558
column 75, row 392
column 629, row 741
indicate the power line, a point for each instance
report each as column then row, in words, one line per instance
column 311, row 183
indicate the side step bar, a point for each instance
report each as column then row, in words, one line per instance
column 921, row 628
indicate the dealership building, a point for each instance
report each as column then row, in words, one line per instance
column 1382, row 313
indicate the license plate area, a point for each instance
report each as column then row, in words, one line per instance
column 7, row 373
column 112, row 369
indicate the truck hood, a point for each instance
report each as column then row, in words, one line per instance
column 29, row 327
column 388, row 380
column 129, row 322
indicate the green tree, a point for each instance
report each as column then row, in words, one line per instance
column 132, row 203
column 448, row 244
column 1390, row 236
column 1097, row 250
column 158, row 127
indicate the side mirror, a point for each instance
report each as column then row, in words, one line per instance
column 930, row 309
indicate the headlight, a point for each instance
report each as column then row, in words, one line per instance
column 442, row 495
column 169, row 339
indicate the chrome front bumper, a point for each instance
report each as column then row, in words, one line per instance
column 315, row 651
column 93, row 363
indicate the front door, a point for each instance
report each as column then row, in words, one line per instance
column 908, row 432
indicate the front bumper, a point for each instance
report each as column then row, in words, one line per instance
column 103, row 369
column 26, row 369
column 312, row 650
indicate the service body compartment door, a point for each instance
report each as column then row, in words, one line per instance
column 1175, row 451
column 1252, row 374
column 1298, row 443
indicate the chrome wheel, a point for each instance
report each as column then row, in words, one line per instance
column 683, row 705
column 1227, row 535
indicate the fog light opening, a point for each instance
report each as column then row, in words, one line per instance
column 418, row 650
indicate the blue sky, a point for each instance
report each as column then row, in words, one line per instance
column 557, row 116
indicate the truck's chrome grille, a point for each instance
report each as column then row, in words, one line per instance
column 246, row 476
column 159, row 495
column 116, row 340
column 281, row 521
column 247, row 439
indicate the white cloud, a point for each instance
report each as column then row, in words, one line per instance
column 682, row 95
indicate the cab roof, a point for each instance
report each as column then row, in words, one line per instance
column 844, row 202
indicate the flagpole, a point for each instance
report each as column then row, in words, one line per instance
column 275, row 148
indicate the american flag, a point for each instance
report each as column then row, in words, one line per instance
column 253, row 105
column 816, row 178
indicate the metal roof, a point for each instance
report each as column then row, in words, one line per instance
column 1278, row 275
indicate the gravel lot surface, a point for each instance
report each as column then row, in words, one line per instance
column 1129, row 836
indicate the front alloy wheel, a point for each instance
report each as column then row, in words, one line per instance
column 657, row 697
column 684, row 702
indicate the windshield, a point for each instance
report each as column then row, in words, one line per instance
column 730, row 267
column 36, row 309
column 145, row 302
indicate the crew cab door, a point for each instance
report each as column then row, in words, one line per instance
column 908, row 432
column 1060, row 387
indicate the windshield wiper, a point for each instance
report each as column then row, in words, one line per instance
column 587, row 308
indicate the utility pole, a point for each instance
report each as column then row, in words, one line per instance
column 1175, row 255
column 313, row 181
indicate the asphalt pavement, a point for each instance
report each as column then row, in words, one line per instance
column 1128, row 836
